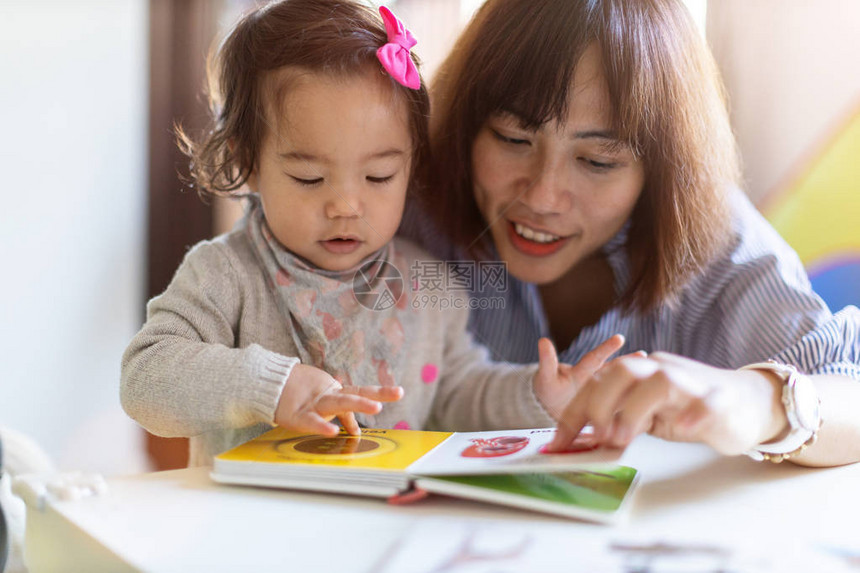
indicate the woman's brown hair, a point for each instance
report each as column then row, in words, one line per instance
column 335, row 37
column 668, row 105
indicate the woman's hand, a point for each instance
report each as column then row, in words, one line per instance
column 674, row 398
column 311, row 398
column 555, row 384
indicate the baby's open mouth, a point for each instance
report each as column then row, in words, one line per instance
column 341, row 245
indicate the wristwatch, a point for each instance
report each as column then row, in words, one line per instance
column 802, row 409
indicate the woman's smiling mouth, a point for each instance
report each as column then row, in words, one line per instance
column 533, row 242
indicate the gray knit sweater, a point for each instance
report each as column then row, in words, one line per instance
column 213, row 356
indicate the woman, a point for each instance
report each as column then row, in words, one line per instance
column 586, row 144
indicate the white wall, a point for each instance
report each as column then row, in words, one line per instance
column 73, row 111
column 792, row 69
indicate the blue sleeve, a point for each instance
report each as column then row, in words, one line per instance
column 756, row 302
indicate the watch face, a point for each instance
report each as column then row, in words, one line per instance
column 806, row 403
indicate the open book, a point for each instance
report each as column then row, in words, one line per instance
column 505, row 467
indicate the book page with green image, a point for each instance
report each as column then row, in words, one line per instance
column 598, row 495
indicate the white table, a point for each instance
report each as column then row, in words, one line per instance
column 707, row 512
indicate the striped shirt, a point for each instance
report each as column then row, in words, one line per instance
column 752, row 303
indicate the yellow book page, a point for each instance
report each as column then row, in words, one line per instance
column 393, row 450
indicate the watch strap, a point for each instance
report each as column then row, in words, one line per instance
column 799, row 437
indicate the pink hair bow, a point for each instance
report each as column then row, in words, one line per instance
column 394, row 56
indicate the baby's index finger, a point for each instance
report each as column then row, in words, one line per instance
column 596, row 357
column 349, row 423
column 617, row 340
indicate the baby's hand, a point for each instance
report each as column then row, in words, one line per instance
column 555, row 384
column 312, row 397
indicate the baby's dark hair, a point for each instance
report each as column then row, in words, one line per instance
column 336, row 37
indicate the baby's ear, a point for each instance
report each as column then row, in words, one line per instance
column 251, row 181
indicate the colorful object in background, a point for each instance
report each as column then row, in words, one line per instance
column 819, row 215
